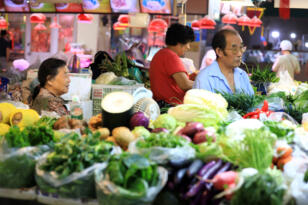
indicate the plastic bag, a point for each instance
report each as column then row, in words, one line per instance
column 286, row 84
column 274, row 104
column 122, row 81
column 162, row 155
column 76, row 185
column 17, row 166
column 111, row 194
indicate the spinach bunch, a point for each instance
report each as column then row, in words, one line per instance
column 261, row 188
column 133, row 172
column 280, row 131
column 162, row 139
column 37, row 134
column 75, row 153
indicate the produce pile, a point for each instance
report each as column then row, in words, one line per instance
column 213, row 148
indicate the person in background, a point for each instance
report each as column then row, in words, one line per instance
column 168, row 76
column 287, row 61
column 54, row 81
column 5, row 46
column 208, row 59
column 224, row 74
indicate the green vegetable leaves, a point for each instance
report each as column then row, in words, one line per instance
column 261, row 188
column 75, row 153
column 133, row 172
column 162, row 140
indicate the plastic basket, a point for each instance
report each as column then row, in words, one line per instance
column 99, row 91
column 3, row 84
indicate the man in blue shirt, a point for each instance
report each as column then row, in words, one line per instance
column 224, row 75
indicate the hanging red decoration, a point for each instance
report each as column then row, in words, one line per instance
column 207, row 23
column 255, row 22
column 118, row 27
column 40, row 27
column 123, row 19
column 55, row 23
column 37, row 18
column 3, row 23
column 85, row 18
column 244, row 21
column 229, row 18
column 195, row 24
column 284, row 9
column 158, row 25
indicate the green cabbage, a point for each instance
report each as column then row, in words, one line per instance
column 165, row 121
column 141, row 131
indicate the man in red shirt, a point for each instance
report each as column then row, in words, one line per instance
column 168, row 76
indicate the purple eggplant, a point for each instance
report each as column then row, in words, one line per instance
column 206, row 167
column 194, row 167
column 196, row 200
column 195, row 189
column 179, row 175
column 212, row 171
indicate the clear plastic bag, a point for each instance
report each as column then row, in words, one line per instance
column 111, row 194
column 162, row 155
column 76, row 185
column 274, row 104
column 17, row 166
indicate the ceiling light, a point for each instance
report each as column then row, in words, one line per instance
column 275, row 34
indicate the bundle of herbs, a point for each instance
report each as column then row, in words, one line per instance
column 241, row 102
column 264, row 75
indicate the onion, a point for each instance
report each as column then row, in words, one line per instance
column 138, row 119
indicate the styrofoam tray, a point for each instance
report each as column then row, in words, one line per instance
column 55, row 200
column 22, row 194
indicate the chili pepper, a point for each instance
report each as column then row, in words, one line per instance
column 265, row 106
column 268, row 113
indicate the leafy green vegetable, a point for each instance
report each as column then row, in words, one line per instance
column 281, row 132
column 17, row 172
column 241, row 102
column 132, row 171
column 165, row 121
column 75, row 153
column 255, row 150
column 40, row 133
column 263, row 75
column 162, row 140
column 261, row 188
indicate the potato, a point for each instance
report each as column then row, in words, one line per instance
column 123, row 136
column 104, row 133
column 111, row 139
column 75, row 123
column 61, row 123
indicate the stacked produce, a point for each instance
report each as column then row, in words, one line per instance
column 214, row 148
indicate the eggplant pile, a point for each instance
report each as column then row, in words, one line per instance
column 191, row 180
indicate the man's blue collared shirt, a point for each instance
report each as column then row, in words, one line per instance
column 212, row 79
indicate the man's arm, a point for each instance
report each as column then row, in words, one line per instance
column 183, row 81
column 276, row 65
column 8, row 51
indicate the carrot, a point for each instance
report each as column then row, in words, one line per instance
column 284, row 152
column 282, row 161
column 275, row 159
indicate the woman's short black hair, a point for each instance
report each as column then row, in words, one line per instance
column 178, row 33
column 48, row 70
column 219, row 39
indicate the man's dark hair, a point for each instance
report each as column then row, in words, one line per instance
column 178, row 33
column 219, row 39
column 3, row 32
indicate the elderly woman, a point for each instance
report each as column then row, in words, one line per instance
column 54, row 82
